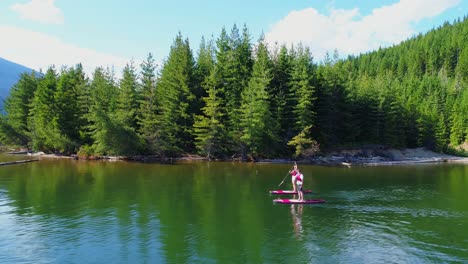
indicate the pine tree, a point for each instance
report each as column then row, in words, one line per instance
column 223, row 56
column 204, row 66
column 394, row 134
column 240, row 67
column 331, row 104
column 280, row 90
column 304, row 144
column 124, row 118
column 175, row 99
column 462, row 65
column 103, row 128
column 146, row 115
column 459, row 121
column 233, row 65
column 208, row 127
column 83, row 104
column 256, row 122
column 302, row 85
column 14, row 124
column 43, row 120
column 67, row 110
column 127, row 101
column 441, row 137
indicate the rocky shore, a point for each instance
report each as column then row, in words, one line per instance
column 382, row 156
column 375, row 156
column 372, row 156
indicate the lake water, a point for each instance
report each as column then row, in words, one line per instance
column 65, row 211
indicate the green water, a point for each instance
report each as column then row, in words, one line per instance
column 64, row 211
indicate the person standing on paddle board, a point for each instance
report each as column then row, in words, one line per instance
column 293, row 173
column 299, row 180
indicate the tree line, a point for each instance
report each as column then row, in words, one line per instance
column 238, row 98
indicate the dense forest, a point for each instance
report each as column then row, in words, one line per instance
column 238, row 98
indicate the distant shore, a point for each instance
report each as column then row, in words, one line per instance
column 382, row 157
column 377, row 157
column 344, row 157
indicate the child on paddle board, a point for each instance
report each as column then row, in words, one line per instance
column 293, row 173
column 299, row 180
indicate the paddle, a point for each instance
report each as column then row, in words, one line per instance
column 284, row 178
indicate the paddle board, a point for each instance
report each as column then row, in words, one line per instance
column 295, row 201
column 288, row 191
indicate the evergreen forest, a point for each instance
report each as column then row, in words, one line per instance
column 242, row 98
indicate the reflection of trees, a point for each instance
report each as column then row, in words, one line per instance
column 92, row 199
column 42, row 189
column 206, row 215
column 178, row 214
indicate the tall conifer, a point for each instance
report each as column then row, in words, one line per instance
column 175, row 100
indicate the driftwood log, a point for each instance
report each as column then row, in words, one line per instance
column 17, row 162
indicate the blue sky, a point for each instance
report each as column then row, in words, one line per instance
column 38, row 33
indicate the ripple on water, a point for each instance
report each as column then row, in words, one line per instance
column 370, row 230
column 398, row 210
column 434, row 251
column 387, row 194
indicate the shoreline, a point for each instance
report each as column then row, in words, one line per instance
column 345, row 158
column 370, row 162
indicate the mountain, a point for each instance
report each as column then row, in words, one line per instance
column 9, row 75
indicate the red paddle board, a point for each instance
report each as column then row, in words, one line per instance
column 295, row 201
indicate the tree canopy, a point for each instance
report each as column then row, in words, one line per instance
column 248, row 99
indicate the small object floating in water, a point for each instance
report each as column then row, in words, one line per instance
column 347, row 164
column 296, row 201
column 288, row 191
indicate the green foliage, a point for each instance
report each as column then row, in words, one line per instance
column 304, row 144
column 333, row 114
column 14, row 125
column 43, row 120
column 10, row 135
column 110, row 136
column 282, row 101
column 256, row 122
column 125, row 116
column 112, row 118
column 208, row 127
column 238, row 98
column 86, row 151
column 146, row 116
column 422, row 105
column 204, row 66
column 69, row 118
column 462, row 65
column 441, row 134
column 302, row 84
column 233, row 67
column 127, row 101
column 175, row 96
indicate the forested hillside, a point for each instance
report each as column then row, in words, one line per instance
column 413, row 94
column 235, row 97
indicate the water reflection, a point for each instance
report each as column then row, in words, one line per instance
column 94, row 212
column 296, row 214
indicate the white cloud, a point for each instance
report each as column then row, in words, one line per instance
column 39, row 51
column 350, row 33
column 43, row 11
